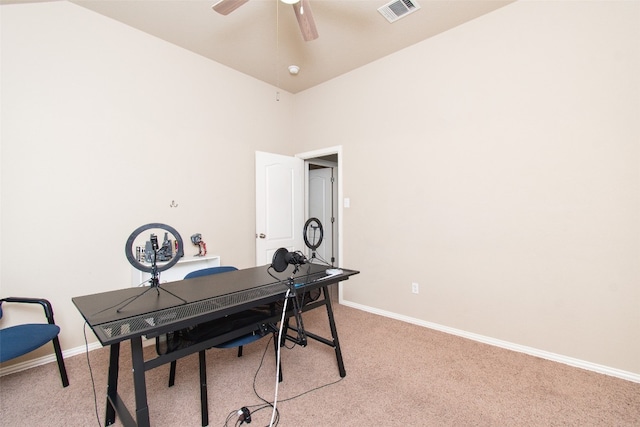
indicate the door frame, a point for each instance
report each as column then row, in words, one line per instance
column 330, row 230
column 307, row 156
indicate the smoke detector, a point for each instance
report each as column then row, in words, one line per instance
column 398, row 9
column 294, row 70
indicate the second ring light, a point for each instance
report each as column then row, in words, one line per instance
column 313, row 233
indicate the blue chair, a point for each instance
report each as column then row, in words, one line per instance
column 18, row 340
column 238, row 342
column 234, row 343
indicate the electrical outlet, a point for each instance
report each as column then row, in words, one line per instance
column 415, row 288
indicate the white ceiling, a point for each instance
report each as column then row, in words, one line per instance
column 262, row 37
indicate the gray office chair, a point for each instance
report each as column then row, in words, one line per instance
column 208, row 330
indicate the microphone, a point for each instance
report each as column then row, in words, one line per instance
column 295, row 258
column 282, row 258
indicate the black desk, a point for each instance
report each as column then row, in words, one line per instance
column 207, row 298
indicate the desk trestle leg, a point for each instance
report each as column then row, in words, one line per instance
column 112, row 383
column 139, row 383
column 332, row 325
column 204, row 403
column 334, row 333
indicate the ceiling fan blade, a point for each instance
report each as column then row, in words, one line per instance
column 305, row 20
column 225, row 7
column 24, row 1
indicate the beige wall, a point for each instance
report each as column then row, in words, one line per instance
column 102, row 127
column 497, row 165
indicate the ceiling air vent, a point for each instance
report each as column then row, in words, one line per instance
column 398, row 9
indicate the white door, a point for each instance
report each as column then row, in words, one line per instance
column 279, row 204
column 321, row 206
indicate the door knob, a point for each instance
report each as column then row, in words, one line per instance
column 262, row 235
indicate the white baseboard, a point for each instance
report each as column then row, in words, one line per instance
column 606, row 370
column 6, row 370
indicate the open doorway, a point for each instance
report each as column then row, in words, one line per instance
column 322, row 201
column 323, row 195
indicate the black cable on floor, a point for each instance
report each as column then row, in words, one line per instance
column 93, row 384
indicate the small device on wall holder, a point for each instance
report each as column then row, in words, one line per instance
column 196, row 239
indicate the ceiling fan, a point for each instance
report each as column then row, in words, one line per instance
column 302, row 9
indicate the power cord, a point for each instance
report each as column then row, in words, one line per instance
column 266, row 402
column 93, row 384
column 241, row 414
column 275, row 399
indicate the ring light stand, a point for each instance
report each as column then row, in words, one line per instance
column 313, row 234
column 154, row 269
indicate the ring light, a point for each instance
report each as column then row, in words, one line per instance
column 313, row 233
column 147, row 268
column 154, row 268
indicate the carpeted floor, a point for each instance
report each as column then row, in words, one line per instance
column 398, row 374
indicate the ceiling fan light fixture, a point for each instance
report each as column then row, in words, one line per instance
column 294, row 70
column 289, row 1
